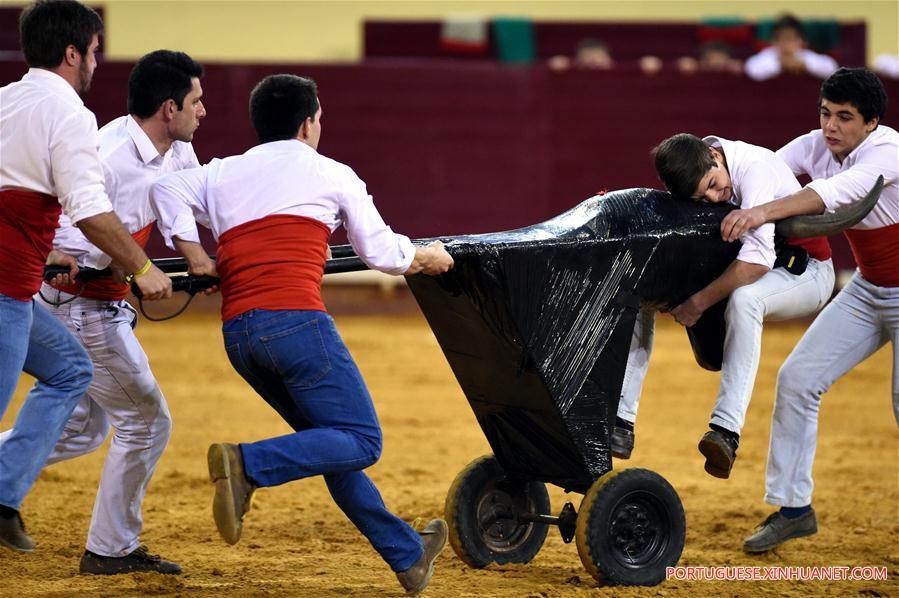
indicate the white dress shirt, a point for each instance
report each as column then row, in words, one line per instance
column 840, row 184
column 766, row 64
column 757, row 176
column 281, row 177
column 48, row 144
column 130, row 165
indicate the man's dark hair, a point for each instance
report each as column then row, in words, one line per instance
column 159, row 76
column 279, row 104
column 859, row 87
column 788, row 22
column 681, row 162
column 48, row 27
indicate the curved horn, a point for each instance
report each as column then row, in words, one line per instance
column 823, row 225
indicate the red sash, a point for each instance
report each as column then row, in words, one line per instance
column 817, row 247
column 28, row 222
column 276, row 263
column 107, row 289
column 876, row 251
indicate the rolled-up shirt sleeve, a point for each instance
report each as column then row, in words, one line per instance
column 77, row 171
column 179, row 201
column 854, row 183
column 374, row 242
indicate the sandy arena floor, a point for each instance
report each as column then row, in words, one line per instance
column 297, row 543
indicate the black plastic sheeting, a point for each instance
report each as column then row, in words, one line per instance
column 536, row 323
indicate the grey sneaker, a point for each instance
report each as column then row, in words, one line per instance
column 416, row 578
column 233, row 491
column 720, row 452
column 622, row 442
column 138, row 561
column 777, row 529
column 12, row 532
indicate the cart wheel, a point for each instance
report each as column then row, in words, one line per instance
column 482, row 509
column 630, row 527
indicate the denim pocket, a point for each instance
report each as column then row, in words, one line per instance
column 298, row 354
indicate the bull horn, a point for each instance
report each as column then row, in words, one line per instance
column 823, row 225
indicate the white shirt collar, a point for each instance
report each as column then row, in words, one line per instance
column 285, row 145
column 142, row 141
column 55, row 82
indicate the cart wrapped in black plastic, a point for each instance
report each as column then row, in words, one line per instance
column 536, row 324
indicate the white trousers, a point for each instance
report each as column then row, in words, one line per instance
column 859, row 321
column 125, row 394
column 778, row 295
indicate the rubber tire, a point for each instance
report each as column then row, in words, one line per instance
column 468, row 489
column 646, row 492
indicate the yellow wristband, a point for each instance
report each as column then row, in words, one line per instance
column 143, row 270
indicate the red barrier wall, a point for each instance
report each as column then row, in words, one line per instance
column 449, row 147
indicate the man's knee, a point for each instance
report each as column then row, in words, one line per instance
column 743, row 302
column 372, row 444
column 81, row 372
column 797, row 382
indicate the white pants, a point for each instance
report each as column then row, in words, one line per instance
column 778, row 295
column 123, row 393
column 859, row 321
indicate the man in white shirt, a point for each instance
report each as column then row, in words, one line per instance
column 272, row 211
column 718, row 170
column 844, row 159
column 48, row 164
column 164, row 110
column 788, row 54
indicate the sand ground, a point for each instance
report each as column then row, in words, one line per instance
column 296, row 542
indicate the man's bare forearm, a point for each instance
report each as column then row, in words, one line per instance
column 192, row 251
column 738, row 274
column 806, row 201
column 108, row 233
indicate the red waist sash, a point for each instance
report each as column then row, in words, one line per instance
column 817, row 247
column 276, row 263
column 876, row 252
column 28, row 222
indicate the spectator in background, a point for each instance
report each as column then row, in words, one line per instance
column 714, row 57
column 788, row 54
column 591, row 53
column 887, row 65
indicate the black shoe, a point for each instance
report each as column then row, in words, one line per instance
column 777, row 529
column 416, row 578
column 720, row 450
column 622, row 442
column 233, row 491
column 12, row 531
column 139, row 561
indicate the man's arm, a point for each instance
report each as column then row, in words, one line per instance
column 108, row 233
column 198, row 262
column 739, row 222
column 738, row 274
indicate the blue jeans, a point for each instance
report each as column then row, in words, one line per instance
column 298, row 363
column 33, row 341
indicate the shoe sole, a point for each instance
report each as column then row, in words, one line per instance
column 226, row 520
column 15, row 548
column 792, row 536
column 717, row 462
column 427, row 579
